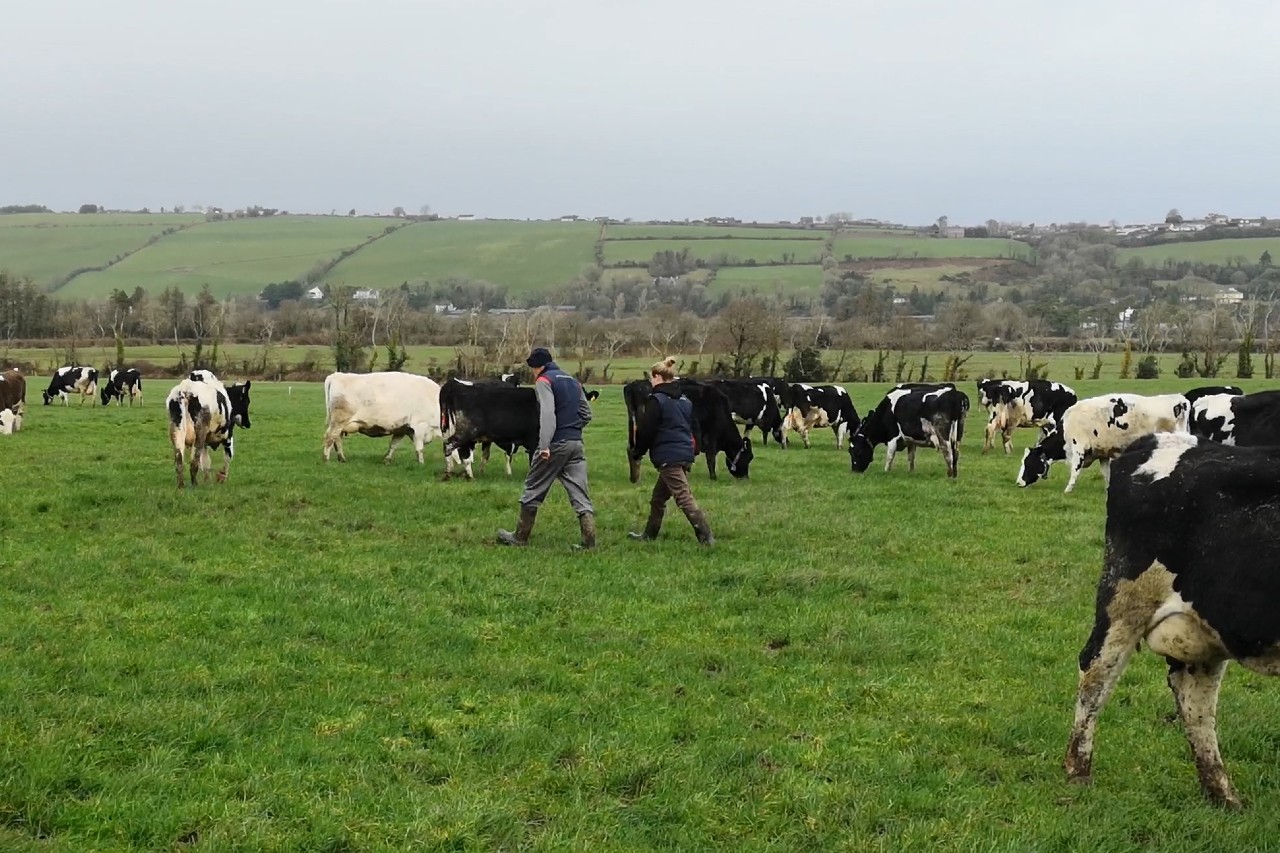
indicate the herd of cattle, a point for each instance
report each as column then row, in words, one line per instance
column 1193, row 501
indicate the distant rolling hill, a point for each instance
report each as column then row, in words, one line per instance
column 89, row 255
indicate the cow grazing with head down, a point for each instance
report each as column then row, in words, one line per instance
column 1012, row 404
column 1189, row 568
column 72, row 380
column 13, row 391
column 817, row 406
column 930, row 416
column 121, row 383
column 202, row 416
column 1100, row 428
column 400, row 405
column 486, row 413
column 714, row 430
column 1247, row 420
column 754, row 405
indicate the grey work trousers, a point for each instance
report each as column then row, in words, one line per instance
column 568, row 464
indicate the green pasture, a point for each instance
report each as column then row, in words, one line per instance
column 1206, row 251
column 47, row 247
column 334, row 657
column 860, row 248
column 789, row 279
column 736, row 251
column 665, row 232
column 927, row 278
column 526, row 257
column 233, row 257
column 97, row 220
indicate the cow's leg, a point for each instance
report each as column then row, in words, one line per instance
column 711, row 461
column 1195, row 689
column 177, row 439
column 911, row 457
column 333, row 441
column 1105, row 465
column 226, row 462
column 1008, row 440
column 391, row 448
column 419, row 439
column 1102, row 661
column 508, row 456
column 989, row 439
column 1077, row 463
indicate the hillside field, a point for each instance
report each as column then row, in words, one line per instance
column 336, row 657
column 1207, row 251
column 48, row 247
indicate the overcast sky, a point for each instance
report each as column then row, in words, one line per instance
column 906, row 111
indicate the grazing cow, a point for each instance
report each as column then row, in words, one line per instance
column 72, row 380
column 1250, row 420
column 13, row 391
column 753, row 404
column 1189, row 568
column 714, row 430
column 401, row 405
column 1100, row 428
column 592, row 395
column 1010, row 405
column 932, row 416
column 781, row 390
column 10, row 421
column 120, row 382
column 204, row 415
column 486, row 413
column 816, row 406
column 202, row 375
column 1211, row 391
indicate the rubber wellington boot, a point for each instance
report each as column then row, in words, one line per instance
column 588, row 523
column 524, row 527
column 651, row 528
column 701, row 528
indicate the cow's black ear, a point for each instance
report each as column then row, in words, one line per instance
column 247, row 383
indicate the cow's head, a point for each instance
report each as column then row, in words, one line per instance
column 108, row 391
column 1035, row 466
column 861, row 450
column 740, row 462
column 239, row 396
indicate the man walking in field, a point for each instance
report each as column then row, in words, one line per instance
column 665, row 430
column 563, row 411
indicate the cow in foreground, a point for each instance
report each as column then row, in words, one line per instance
column 817, row 406
column 1189, row 568
column 913, row 417
column 120, row 383
column 400, row 405
column 1099, row 429
column 1011, row 404
column 72, row 380
column 10, row 421
column 1248, row 420
column 202, row 416
column 13, row 391
column 486, row 413
column 1211, row 391
column 714, row 430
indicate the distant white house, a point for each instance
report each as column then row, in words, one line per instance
column 465, row 217
column 366, row 294
column 315, row 293
column 1228, row 296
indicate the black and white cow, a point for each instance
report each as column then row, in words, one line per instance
column 1189, row 568
column 1249, row 420
column 204, row 415
column 754, row 405
column 1012, row 404
column 817, row 406
column 910, row 418
column 486, row 413
column 1100, row 428
column 714, row 428
column 1211, row 391
column 10, row 421
column 781, row 390
column 391, row 403
column 72, row 380
column 122, row 382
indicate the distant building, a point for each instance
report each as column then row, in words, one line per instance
column 465, row 217
column 1228, row 296
column 366, row 294
column 953, row 232
column 315, row 293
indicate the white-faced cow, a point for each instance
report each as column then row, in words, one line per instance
column 72, row 380
column 912, row 417
column 817, row 406
column 204, row 415
column 121, row 383
column 13, row 391
column 754, row 405
column 10, row 421
column 486, row 413
column 1249, row 420
column 401, row 405
column 1100, row 428
column 714, row 430
column 1189, row 568
column 1012, row 404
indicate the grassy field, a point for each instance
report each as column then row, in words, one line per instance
column 929, row 247
column 738, row 251
column 233, row 257
column 525, row 256
column 335, row 657
column 46, row 247
column 656, row 232
column 793, row 278
column 1206, row 251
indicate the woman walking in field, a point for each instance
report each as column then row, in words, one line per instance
column 665, row 430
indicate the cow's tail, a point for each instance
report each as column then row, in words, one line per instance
column 446, row 409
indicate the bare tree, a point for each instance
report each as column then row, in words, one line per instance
column 747, row 328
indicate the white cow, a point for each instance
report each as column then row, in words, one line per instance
column 10, row 421
column 400, row 405
column 202, row 415
column 1101, row 428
